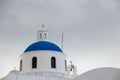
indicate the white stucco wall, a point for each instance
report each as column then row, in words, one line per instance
column 43, row 61
column 15, row 75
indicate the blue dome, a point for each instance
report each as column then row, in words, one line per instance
column 43, row 45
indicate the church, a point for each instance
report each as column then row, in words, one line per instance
column 43, row 60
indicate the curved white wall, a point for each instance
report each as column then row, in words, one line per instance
column 43, row 61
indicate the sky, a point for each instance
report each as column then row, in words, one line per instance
column 91, row 30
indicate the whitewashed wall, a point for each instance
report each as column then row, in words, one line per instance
column 43, row 61
column 15, row 75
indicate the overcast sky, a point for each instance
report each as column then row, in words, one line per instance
column 91, row 30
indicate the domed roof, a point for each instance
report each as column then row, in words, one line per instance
column 43, row 45
column 106, row 73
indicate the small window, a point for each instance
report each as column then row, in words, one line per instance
column 34, row 62
column 21, row 62
column 45, row 35
column 40, row 35
column 53, row 62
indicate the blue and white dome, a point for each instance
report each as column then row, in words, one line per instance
column 43, row 57
column 43, row 45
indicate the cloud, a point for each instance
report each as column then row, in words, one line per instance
column 91, row 26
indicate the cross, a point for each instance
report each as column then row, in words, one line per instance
column 42, row 25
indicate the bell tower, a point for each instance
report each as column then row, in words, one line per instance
column 72, row 70
column 42, row 34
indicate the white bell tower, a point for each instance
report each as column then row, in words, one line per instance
column 72, row 70
column 42, row 34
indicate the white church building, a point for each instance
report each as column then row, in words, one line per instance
column 43, row 60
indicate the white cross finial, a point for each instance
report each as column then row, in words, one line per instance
column 42, row 26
